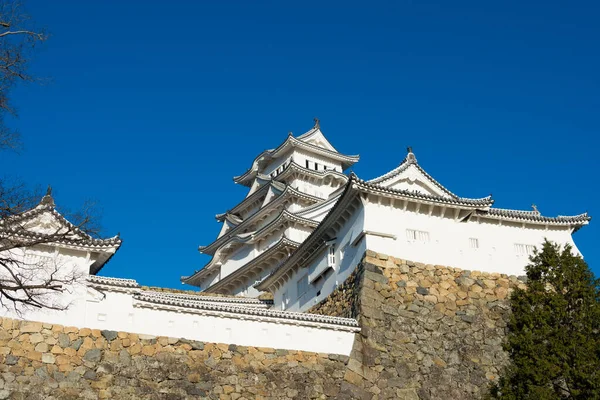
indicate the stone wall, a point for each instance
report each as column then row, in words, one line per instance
column 427, row 332
column 344, row 301
column 44, row 361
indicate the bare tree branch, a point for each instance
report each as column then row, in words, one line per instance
column 17, row 41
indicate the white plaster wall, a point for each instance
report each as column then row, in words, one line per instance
column 448, row 245
column 116, row 311
column 44, row 260
column 449, row 239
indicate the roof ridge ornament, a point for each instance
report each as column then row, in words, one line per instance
column 47, row 200
column 535, row 209
column 410, row 157
column 317, row 123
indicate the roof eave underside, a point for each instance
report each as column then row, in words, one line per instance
column 220, row 241
column 281, row 244
column 347, row 160
column 284, row 215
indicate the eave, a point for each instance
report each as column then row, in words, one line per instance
column 284, row 216
column 292, row 142
column 294, row 168
column 254, row 197
column 288, row 192
column 283, row 244
column 533, row 217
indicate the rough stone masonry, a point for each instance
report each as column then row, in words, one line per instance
column 427, row 332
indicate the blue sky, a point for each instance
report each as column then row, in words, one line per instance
column 151, row 108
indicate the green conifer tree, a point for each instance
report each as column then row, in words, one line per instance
column 553, row 337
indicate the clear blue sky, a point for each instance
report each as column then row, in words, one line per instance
column 154, row 106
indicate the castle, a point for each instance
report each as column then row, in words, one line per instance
column 299, row 234
column 305, row 225
column 320, row 285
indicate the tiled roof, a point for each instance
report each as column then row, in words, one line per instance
column 241, row 311
column 462, row 201
column 116, row 282
column 180, row 298
column 257, row 195
column 220, row 241
column 535, row 216
column 295, row 167
column 206, row 270
column 409, row 160
column 13, row 227
column 173, row 295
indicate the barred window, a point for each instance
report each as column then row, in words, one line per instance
column 417, row 236
column 524, row 249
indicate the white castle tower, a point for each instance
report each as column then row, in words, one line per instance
column 290, row 192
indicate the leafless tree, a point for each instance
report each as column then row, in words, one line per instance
column 17, row 41
column 28, row 281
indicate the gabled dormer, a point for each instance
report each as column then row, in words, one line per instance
column 316, row 138
column 44, row 226
column 410, row 176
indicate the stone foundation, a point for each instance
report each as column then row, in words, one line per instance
column 427, row 332
column 43, row 361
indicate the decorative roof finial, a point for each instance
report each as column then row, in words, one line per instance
column 47, row 200
column 317, row 123
column 410, row 157
column 535, row 208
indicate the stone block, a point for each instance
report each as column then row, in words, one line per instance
column 48, row 358
column 93, row 355
column 109, row 335
column 31, row 327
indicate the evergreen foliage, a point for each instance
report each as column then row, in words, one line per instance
column 553, row 337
